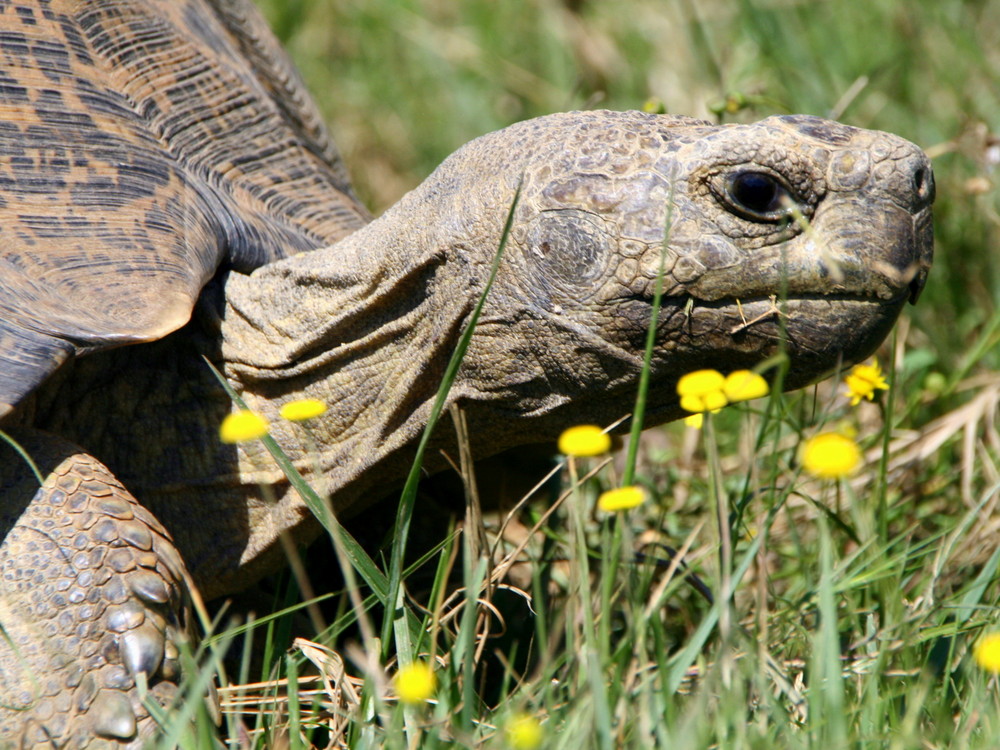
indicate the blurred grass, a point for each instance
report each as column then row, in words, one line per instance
column 854, row 621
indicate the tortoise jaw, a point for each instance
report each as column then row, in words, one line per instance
column 817, row 332
column 924, row 234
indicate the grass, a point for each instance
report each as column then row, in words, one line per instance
column 854, row 603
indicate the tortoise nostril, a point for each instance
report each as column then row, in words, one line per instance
column 923, row 184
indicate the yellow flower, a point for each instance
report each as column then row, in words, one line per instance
column 987, row 652
column 302, row 409
column 701, row 390
column 415, row 682
column 584, row 440
column 622, row 498
column 711, row 401
column 862, row 382
column 654, row 106
column 524, row 732
column 830, row 455
column 242, row 426
column 695, row 420
column 700, row 382
column 743, row 385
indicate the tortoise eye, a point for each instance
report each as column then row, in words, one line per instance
column 758, row 196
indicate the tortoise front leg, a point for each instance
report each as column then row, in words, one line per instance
column 92, row 593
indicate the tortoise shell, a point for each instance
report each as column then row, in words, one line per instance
column 143, row 145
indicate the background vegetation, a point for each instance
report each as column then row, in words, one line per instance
column 856, row 604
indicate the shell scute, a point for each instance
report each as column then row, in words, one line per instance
column 143, row 145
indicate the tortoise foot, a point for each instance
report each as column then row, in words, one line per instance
column 93, row 605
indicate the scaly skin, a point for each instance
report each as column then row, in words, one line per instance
column 92, row 593
column 793, row 234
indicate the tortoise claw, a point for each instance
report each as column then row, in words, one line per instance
column 142, row 650
column 112, row 716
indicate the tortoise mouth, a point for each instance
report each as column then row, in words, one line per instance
column 758, row 313
column 819, row 333
column 687, row 300
column 790, row 297
column 826, row 310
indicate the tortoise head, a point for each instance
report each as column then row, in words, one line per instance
column 793, row 234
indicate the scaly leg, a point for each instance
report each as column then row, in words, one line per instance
column 92, row 593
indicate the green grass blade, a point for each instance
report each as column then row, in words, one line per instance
column 683, row 659
column 827, row 694
column 23, row 454
column 639, row 413
column 362, row 562
column 360, row 559
column 409, row 494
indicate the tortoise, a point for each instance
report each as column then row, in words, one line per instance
column 169, row 193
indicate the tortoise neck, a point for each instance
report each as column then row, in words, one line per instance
column 366, row 326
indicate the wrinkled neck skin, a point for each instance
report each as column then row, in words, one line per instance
column 366, row 326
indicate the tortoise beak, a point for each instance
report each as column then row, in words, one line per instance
column 923, row 231
column 917, row 285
